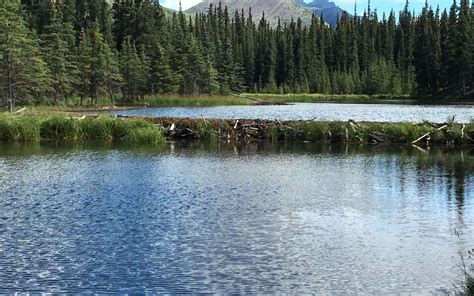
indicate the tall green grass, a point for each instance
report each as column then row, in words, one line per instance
column 60, row 128
column 207, row 131
column 144, row 135
column 466, row 288
column 14, row 128
column 311, row 98
column 193, row 101
column 170, row 100
column 342, row 132
column 34, row 128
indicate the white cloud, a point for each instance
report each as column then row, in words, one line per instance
column 174, row 4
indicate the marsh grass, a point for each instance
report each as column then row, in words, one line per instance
column 144, row 135
column 206, row 131
column 97, row 129
column 465, row 287
column 193, row 101
column 60, row 128
column 313, row 98
column 14, row 128
column 342, row 132
column 34, row 128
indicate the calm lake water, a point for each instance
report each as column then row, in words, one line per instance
column 260, row 218
column 318, row 111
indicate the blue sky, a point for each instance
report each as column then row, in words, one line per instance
column 386, row 6
column 380, row 5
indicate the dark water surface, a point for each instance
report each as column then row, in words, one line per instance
column 257, row 218
column 318, row 111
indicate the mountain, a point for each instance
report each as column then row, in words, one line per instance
column 325, row 8
column 273, row 9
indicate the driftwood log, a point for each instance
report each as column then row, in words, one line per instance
column 428, row 134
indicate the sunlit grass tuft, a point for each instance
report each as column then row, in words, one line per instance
column 144, row 135
column 313, row 98
column 193, row 101
column 206, row 131
column 60, row 128
column 15, row 128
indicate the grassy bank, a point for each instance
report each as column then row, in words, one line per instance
column 73, row 105
column 314, row 98
column 354, row 98
column 15, row 128
column 171, row 100
column 194, row 101
column 451, row 134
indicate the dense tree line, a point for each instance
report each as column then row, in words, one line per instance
column 54, row 50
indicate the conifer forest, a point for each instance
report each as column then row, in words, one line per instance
column 51, row 51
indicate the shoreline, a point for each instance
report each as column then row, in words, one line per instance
column 244, row 99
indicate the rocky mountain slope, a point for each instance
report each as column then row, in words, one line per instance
column 274, row 9
column 325, row 8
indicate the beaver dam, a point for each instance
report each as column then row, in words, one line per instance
column 425, row 133
column 154, row 130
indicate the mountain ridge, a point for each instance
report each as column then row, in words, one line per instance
column 285, row 10
column 326, row 9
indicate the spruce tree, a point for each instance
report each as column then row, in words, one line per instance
column 427, row 51
column 98, row 59
column 59, row 56
column 132, row 70
column 84, row 53
column 447, row 49
column 405, row 49
column 248, row 53
column 112, row 77
column 162, row 78
column 464, row 49
column 23, row 74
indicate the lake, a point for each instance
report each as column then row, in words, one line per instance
column 254, row 218
column 318, row 111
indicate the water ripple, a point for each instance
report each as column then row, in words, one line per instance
column 201, row 221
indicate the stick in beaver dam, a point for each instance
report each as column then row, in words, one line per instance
column 354, row 125
column 427, row 134
column 20, row 111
